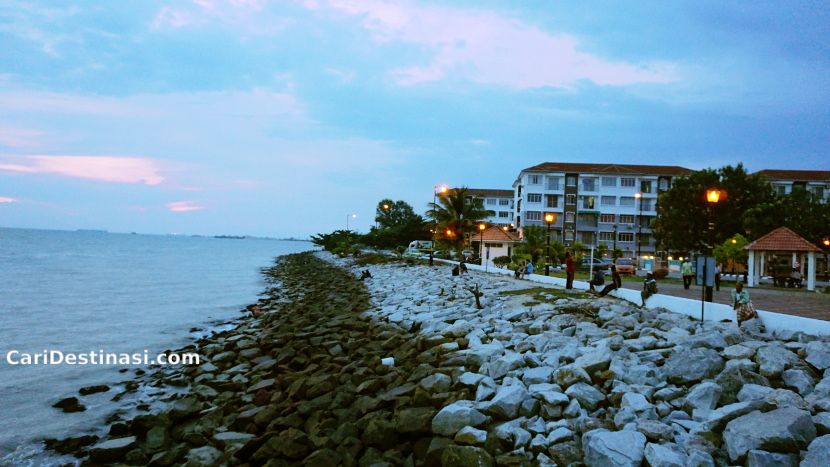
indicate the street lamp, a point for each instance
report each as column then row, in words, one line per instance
column 436, row 189
column 639, row 196
column 713, row 195
column 348, row 216
column 481, row 228
column 550, row 218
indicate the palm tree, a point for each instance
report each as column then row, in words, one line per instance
column 457, row 215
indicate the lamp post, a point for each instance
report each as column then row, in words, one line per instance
column 639, row 197
column 481, row 228
column 550, row 218
column 349, row 216
column 826, row 243
column 435, row 190
column 713, row 195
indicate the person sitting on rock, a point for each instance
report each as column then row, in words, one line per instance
column 616, row 282
column 742, row 304
column 599, row 279
column 462, row 267
column 649, row 288
column 529, row 268
column 520, row 271
column 455, row 270
column 365, row 275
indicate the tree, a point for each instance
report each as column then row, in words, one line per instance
column 397, row 225
column 731, row 251
column 457, row 216
column 601, row 250
column 799, row 211
column 683, row 213
column 390, row 213
column 339, row 241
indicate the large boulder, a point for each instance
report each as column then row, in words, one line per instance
column 703, row 396
column 507, row 401
column 757, row 458
column 594, row 360
column 772, row 360
column 781, row 430
column 733, row 380
column 661, row 455
column 818, row 453
column 205, row 456
column 466, row 456
column 111, row 449
column 587, row 395
column 690, row 366
column 798, row 380
column 603, row 448
column 570, row 374
column 818, row 354
column 456, row 416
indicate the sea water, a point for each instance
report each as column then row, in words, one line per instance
column 117, row 293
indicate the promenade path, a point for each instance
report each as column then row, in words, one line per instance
column 788, row 301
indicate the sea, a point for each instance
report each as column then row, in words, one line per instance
column 93, row 291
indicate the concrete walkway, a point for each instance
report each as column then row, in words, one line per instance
column 792, row 302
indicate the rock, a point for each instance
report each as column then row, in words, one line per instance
column 817, row 453
column 719, row 418
column 507, row 401
column 322, row 458
column 69, row 405
column 231, row 438
column 613, row 448
column 542, row 374
column 773, row 360
column 512, row 434
column 661, row 455
column 668, row 394
column 469, row 379
column 737, row 352
column 504, row 364
column 112, row 449
column 205, row 456
column 698, row 458
column 758, row 458
column 691, row 366
column 438, row 382
column 785, row 398
column 156, row 438
column 471, row 436
column 455, row 416
column 704, row 396
column 587, row 395
column 558, row 435
column 69, row 445
column 466, row 456
column 636, row 402
column 567, row 375
column 781, row 430
column 415, row 420
column 753, row 391
column 380, row 433
column 732, row 380
column 184, row 408
column 85, row 391
column 572, row 410
column 818, row 354
column 822, row 422
column 597, row 360
column 655, row 430
column 798, row 380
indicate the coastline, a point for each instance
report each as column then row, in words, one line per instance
column 541, row 377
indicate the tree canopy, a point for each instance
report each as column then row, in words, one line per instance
column 457, row 215
column 799, row 211
column 397, row 225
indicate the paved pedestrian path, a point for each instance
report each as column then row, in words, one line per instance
column 788, row 301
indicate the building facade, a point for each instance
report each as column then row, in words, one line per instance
column 784, row 182
column 611, row 204
column 500, row 202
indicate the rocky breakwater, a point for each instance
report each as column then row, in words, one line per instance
column 545, row 377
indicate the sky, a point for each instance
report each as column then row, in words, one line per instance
column 284, row 118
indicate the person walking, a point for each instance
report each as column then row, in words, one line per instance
column 742, row 304
column 569, row 270
column 717, row 277
column 598, row 279
column 649, row 288
column 616, row 282
column 529, row 268
column 686, row 270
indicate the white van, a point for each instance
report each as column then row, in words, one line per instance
column 418, row 248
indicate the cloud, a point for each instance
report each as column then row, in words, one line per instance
column 249, row 16
column 115, row 169
column 488, row 48
column 184, row 206
column 19, row 137
column 7, row 199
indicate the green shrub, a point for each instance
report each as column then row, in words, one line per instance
column 660, row 273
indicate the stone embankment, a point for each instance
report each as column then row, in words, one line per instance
column 536, row 377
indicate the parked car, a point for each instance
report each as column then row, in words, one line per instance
column 626, row 266
column 597, row 263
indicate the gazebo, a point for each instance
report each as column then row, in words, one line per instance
column 782, row 241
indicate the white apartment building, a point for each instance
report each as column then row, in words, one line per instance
column 500, row 202
column 783, row 182
column 612, row 204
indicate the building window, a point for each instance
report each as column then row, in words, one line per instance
column 607, row 218
column 609, row 200
column 491, row 201
column 625, row 181
column 626, row 201
column 626, row 236
column 534, row 179
column 648, row 204
column 780, row 190
column 645, row 186
column 819, row 192
column 495, row 245
column 626, row 219
column 569, row 217
column 571, row 180
column 664, row 184
column 553, row 183
column 504, row 214
column 553, row 201
column 570, row 199
column 606, row 236
column 609, row 181
column 588, row 202
column 589, row 184
column 504, row 202
column 533, row 215
column 569, row 235
column 534, row 198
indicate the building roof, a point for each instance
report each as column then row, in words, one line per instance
column 495, row 234
column 609, row 168
column 490, row 192
column 782, row 239
column 796, row 175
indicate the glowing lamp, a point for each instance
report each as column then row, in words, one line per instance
column 713, row 196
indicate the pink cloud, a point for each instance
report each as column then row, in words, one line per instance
column 6, row 199
column 184, row 206
column 114, row 169
column 19, row 137
column 486, row 47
